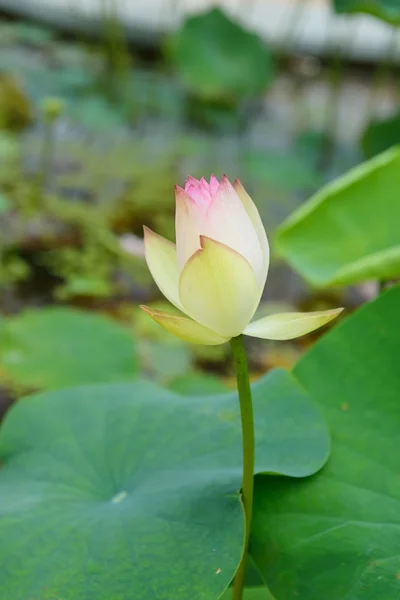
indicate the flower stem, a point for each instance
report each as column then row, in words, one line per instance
column 246, row 413
column 46, row 153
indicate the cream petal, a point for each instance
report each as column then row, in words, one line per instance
column 162, row 262
column 255, row 218
column 185, row 328
column 218, row 288
column 227, row 221
column 287, row 326
column 186, row 227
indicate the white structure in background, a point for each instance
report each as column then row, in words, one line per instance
column 310, row 25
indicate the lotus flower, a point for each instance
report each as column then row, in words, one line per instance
column 216, row 272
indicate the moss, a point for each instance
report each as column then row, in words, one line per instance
column 13, row 269
column 15, row 108
column 74, row 233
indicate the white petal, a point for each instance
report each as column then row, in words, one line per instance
column 255, row 218
column 218, row 288
column 224, row 219
column 287, row 326
column 162, row 262
column 227, row 221
column 186, row 227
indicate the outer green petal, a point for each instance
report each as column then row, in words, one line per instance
column 218, row 288
column 287, row 326
column 162, row 262
column 186, row 329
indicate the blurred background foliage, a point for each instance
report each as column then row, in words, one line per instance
column 96, row 128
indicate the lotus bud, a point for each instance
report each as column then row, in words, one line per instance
column 216, row 272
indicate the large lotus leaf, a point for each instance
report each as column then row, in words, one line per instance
column 349, row 230
column 57, row 347
column 381, row 134
column 130, row 492
column 250, row 593
column 387, row 10
column 219, row 60
column 195, row 383
column 336, row 536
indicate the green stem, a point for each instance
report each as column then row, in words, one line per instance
column 246, row 413
column 46, row 153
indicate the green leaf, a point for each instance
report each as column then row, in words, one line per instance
column 162, row 361
column 218, row 116
column 283, row 171
column 5, row 203
column 96, row 113
column 193, row 384
column 380, row 135
column 130, row 492
column 219, row 60
column 33, row 34
column 256, row 593
column 387, row 10
column 336, row 536
column 348, row 231
column 9, row 147
column 57, row 347
column 84, row 286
